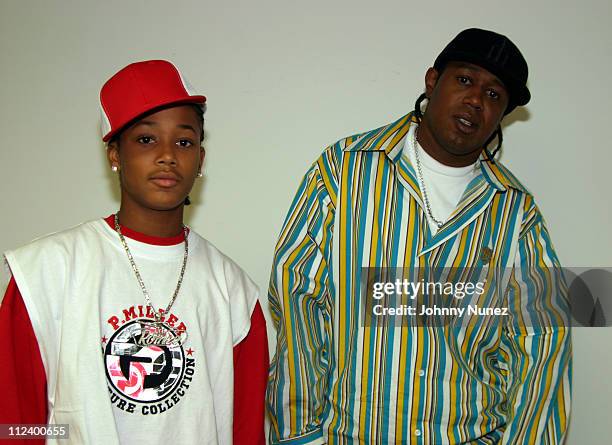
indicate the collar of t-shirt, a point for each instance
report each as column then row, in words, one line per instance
column 147, row 239
column 444, row 184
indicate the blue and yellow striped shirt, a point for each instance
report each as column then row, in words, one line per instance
column 339, row 380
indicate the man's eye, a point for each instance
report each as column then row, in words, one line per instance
column 145, row 140
column 493, row 94
column 464, row 80
column 185, row 143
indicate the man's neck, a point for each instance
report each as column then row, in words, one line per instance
column 433, row 148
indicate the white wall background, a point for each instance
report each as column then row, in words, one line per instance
column 283, row 80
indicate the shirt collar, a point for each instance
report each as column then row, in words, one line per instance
column 391, row 138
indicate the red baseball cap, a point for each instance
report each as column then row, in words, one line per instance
column 139, row 88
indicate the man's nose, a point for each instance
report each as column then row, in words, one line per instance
column 473, row 98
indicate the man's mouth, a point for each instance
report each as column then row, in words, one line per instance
column 466, row 124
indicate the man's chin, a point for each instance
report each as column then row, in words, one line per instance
column 462, row 151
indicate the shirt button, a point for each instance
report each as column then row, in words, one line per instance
column 417, row 432
column 421, row 373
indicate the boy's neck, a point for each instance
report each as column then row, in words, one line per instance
column 158, row 223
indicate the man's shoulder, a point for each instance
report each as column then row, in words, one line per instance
column 388, row 138
column 383, row 138
column 505, row 176
column 530, row 213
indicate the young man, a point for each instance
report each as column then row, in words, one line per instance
column 426, row 196
column 133, row 328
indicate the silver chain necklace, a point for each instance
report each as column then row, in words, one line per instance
column 422, row 181
column 160, row 328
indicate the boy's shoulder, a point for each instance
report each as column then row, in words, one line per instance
column 62, row 237
column 218, row 258
column 54, row 252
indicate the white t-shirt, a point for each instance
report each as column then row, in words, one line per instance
column 444, row 184
column 105, row 377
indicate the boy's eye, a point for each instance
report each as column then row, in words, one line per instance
column 464, row 80
column 145, row 140
column 185, row 143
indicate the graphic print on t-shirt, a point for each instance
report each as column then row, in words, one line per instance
column 145, row 372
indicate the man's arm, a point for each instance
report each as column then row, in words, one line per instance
column 537, row 342
column 301, row 311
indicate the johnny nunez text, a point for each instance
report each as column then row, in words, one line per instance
column 472, row 309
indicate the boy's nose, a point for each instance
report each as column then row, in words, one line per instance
column 167, row 154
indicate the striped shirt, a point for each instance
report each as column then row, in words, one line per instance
column 337, row 379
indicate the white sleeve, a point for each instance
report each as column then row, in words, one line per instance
column 5, row 277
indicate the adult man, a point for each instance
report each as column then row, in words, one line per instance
column 425, row 194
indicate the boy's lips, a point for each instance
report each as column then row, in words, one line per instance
column 165, row 179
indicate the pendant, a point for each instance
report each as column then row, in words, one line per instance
column 159, row 333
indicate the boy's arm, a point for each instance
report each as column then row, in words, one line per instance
column 251, row 362
column 23, row 383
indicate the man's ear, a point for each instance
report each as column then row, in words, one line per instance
column 112, row 153
column 431, row 79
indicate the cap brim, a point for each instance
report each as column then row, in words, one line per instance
column 197, row 100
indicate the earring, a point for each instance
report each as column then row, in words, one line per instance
column 199, row 175
column 114, row 168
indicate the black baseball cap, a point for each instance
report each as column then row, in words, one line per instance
column 494, row 52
